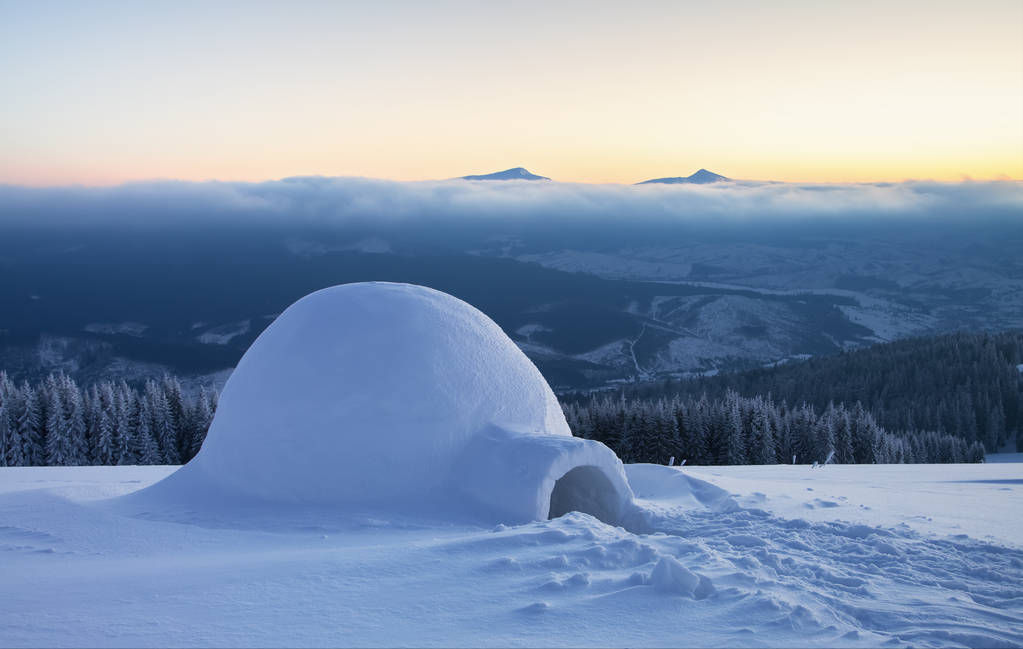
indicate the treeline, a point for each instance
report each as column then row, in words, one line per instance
column 740, row 430
column 965, row 384
column 57, row 423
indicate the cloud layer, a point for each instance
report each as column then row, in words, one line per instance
column 319, row 201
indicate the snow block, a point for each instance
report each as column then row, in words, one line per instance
column 521, row 476
column 376, row 393
column 670, row 576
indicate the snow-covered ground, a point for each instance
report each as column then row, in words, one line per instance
column 128, row 328
column 904, row 287
column 223, row 334
column 723, row 556
column 980, row 500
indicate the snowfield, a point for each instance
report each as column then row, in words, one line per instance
column 921, row 555
column 386, row 467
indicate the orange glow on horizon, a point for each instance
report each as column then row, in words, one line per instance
column 585, row 172
column 799, row 92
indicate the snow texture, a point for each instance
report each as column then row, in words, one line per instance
column 224, row 334
column 698, row 565
column 397, row 396
column 112, row 328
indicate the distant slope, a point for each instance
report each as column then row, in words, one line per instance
column 515, row 173
column 966, row 384
column 100, row 305
column 701, row 177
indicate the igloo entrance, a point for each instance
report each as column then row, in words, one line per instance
column 586, row 489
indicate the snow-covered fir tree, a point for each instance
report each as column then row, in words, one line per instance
column 57, row 422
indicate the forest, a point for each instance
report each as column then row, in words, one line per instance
column 969, row 385
column 55, row 422
column 755, row 430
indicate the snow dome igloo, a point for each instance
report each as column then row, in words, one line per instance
column 375, row 393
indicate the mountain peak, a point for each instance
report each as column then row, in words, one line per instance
column 701, row 177
column 515, row 173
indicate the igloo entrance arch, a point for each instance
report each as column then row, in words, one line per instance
column 520, row 476
column 585, row 489
column 378, row 395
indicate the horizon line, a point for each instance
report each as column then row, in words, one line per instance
column 965, row 178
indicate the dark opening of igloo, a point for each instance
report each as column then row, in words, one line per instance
column 585, row 489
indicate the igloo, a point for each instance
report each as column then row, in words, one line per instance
column 379, row 395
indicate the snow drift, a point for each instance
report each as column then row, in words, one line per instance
column 379, row 394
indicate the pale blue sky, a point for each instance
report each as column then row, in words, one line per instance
column 101, row 92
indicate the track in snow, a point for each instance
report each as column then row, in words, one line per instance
column 696, row 569
column 892, row 582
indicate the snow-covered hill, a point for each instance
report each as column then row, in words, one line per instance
column 701, row 177
column 515, row 173
column 896, row 288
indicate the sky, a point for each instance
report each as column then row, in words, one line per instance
column 100, row 93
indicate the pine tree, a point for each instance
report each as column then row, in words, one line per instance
column 162, row 424
column 736, row 440
column 93, row 407
column 104, row 451
column 843, row 436
column 58, row 433
column 975, row 452
column 74, row 424
column 178, row 418
column 803, row 425
column 766, row 453
column 202, row 417
column 662, row 446
column 824, row 435
column 145, row 449
column 16, row 415
column 7, row 443
column 699, row 433
column 30, row 427
column 123, row 433
column 861, row 435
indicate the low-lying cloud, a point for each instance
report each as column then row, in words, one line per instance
column 320, row 201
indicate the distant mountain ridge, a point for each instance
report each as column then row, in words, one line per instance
column 515, row 173
column 701, row 177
